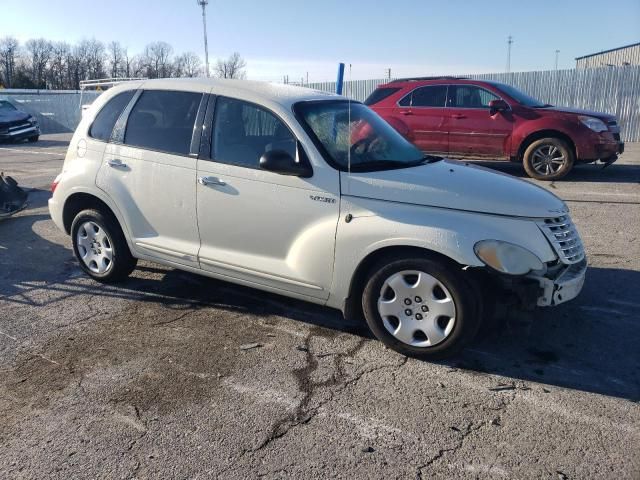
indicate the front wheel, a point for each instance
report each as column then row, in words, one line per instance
column 34, row 138
column 100, row 247
column 548, row 159
column 420, row 307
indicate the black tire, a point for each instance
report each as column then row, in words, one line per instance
column 34, row 139
column 563, row 148
column 122, row 263
column 468, row 312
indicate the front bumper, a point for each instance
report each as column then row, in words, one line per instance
column 21, row 133
column 563, row 285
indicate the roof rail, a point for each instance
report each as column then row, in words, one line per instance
column 417, row 79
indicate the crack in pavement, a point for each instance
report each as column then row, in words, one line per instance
column 471, row 428
column 304, row 415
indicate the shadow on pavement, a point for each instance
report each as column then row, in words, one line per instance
column 615, row 173
column 590, row 344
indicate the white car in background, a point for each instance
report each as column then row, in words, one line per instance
column 311, row 196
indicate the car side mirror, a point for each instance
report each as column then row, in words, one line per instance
column 279, row 161
column 498, row 106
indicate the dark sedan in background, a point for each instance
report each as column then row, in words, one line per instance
column 17, row 125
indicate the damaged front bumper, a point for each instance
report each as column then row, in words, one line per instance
column 12, row 197
column 561, row 284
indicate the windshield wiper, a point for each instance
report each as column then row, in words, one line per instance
column 430, row 159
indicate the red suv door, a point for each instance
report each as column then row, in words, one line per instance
column 474, row 130
column 423, row 111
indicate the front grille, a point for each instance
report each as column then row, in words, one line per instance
column 616, row 137
column 563, row 236
column 19, row 126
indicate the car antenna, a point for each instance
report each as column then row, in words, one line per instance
column 349, row 129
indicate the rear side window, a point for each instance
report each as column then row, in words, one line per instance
column 380, row 94
column 429, row 96
column 242, row 132
column 107, row 117
column 470, row 96
column 163, row 121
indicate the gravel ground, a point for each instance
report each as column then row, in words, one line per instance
column 172, row 375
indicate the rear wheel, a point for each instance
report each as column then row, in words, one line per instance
column 100, row 246
column 548, row 159
column 420, row 307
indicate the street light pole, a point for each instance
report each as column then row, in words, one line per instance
column 509, row 43
column 203, row 4
column 557, row 53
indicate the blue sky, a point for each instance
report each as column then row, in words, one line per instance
column 292, row 37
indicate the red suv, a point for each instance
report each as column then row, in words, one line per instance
column 457, row 117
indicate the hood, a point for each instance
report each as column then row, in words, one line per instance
column 578, row 111
column 455, row 185
column 13, row 116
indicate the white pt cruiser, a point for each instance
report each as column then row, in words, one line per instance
column 311, row 196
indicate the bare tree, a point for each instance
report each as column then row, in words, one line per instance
column 39, row 52
column 232, row 67
column 187, row 65
column 8, row 55
column 58, row 66
column 116, row 54
column 157, row 59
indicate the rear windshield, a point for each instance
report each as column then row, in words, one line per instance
column 380, row 94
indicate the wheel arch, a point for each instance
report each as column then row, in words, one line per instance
column 78, row 201
column 547, row 133
column 352, row 305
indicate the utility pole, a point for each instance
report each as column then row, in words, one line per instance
column 203, row 4
column 509, row 43
column 557, row 53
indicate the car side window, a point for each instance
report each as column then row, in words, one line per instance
column 470, row 96
column 163, row 120
column 428, row 96
column 431, row 96
column 242, row 132
column 108, row 116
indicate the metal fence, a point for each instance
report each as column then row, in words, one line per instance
column 612, row 89
column 57, row 111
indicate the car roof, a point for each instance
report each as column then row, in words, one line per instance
column 420, row 81
column 258, row 92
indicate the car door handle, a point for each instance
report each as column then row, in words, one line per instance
column 211, row 181
column 116, row 162
column 458, row 116
column 407, row 112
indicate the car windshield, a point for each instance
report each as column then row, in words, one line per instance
column 6, row 106
column 521, row 97
column 352, row 135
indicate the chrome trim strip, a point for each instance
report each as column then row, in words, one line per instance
column 166, row 251
column 257, row 273
column 18, row 132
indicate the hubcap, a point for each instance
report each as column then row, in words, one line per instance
column 94, row 247
column 429, row 315
column 547, row 159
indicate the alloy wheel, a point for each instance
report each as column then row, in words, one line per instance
column 548, row 159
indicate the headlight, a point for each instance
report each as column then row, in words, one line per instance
column 32, row 120
column 593, row 123
column 506, row 257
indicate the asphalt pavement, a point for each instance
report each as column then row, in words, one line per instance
column 173, row 375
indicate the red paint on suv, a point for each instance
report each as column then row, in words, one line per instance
column 463, row 118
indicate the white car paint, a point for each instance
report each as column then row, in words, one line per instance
column 270, row 231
